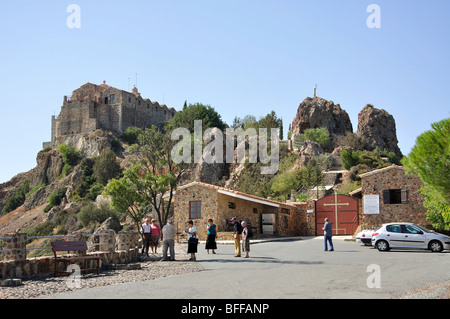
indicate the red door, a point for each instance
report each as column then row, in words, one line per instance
column 341, row 211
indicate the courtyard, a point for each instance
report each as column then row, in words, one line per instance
column 291, row 269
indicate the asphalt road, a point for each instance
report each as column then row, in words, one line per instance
column 291, row 270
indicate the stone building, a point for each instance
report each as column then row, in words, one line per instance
column 199, row 201
column 389, row 195
column 93, row 107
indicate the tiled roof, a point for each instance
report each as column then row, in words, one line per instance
column 381, row 170
column 237, row 193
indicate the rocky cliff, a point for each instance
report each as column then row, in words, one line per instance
column 318, row 112
column 377, row 130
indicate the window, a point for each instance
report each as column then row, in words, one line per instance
column 393, row 228
column 195, row 210
column 231, row 205
column 410, row 230
column 112, row 98
column 395, row 196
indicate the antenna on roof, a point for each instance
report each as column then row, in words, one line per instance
column 136, row 81
column 315, row 91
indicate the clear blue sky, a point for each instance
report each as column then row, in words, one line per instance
column 240, row 57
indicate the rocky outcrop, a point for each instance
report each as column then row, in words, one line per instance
column 308, row 153
column 90, row 144
column 318, row 112
column 377, row 130
column 49, row 167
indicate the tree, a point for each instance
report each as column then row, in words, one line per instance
column 210, row 118
column 430, row 160
column 131, row 134
column 106, row 167
column 349, row 158
column 272, row 121
column 320, row 135
column 285, row 183
column 152, row 175
column 126, row 199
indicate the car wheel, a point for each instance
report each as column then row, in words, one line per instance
column 436, row 246
column 382, row 245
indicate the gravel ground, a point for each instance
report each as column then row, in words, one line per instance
column 149, row 270
column 436, row 291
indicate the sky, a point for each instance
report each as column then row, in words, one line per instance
column 242, row 57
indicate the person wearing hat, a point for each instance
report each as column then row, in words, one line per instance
column 237, row 230
column 169, row 233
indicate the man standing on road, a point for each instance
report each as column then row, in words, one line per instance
column 328, row 233
column 237, row 236
column 169, row 233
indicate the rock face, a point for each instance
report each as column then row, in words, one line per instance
column 318, row 112
column 308, row 152
column 377, row 129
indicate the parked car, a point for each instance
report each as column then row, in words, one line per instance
column 408, row 235
column 365, row 237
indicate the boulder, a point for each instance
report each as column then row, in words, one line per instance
column 377, row 129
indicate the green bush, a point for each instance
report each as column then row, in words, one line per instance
column 66, row 170
column 55, row 199
column 35, row 189
column 92, row 214
column 106, row 167
column 18, row 198
column 70, row 154
column 130, row 135
column 319, row 135
column 44, row 229
column 349, row 158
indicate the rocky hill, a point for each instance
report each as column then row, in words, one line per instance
column 33, row 190
column 376, row 127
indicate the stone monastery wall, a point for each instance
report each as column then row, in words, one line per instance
column 93, row 107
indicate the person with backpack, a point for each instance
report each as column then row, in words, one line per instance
column 246, row 235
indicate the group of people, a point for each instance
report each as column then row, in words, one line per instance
column 151, row 235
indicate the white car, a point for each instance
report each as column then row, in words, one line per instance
column 408, row 235
column 365, row 237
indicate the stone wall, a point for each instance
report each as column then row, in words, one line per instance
column 290, row 218
column 390, row 178
column 116, row 248
column 209, row 208
column 93, row 107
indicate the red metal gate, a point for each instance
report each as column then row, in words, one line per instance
column 341, row 211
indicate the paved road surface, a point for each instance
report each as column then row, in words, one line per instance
column 290, row 269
